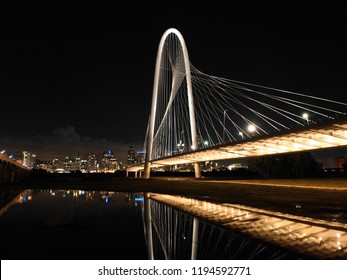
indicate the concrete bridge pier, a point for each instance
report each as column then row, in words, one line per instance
column 197, row 170
column 137, row 173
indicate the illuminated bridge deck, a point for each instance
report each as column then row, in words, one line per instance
column 317, row 238
column 328, row 135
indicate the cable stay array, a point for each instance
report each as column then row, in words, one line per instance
column 225, row 110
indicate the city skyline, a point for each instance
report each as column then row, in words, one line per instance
column 77, row 82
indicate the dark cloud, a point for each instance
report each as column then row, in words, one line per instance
column 67, row 134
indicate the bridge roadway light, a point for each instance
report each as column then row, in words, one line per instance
column 305, row 116
column 251, row 128
column 241, row 134
column 180, row 146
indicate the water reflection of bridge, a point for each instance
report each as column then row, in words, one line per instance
column 186, row 228
column 9, row 197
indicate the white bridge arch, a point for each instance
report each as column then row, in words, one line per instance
column 212, row 116
column 186, row 62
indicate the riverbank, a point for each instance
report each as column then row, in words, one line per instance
column 324, row 198
column 316, row 198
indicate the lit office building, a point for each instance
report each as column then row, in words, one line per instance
column 140, row 157
column 77, row 163
column 92, row 164
column 131, row 156
column 68, row 165
column 84, row 166
column 29, row 159
column 109, row 162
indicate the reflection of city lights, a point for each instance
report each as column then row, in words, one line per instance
column 105, row 196
column 90, row 196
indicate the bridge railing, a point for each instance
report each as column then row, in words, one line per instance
column 11, row 171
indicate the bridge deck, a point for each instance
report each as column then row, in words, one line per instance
column 317, row 238
column 6, row 158
column 309, row 138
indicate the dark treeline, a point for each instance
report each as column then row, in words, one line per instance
column 295, row 165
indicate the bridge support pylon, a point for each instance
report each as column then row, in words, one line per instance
column 197, row 170
column 147, row 170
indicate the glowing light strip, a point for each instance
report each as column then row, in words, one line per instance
column 328, row 136
column 319, row 238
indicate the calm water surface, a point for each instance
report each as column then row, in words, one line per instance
column 71, row 224
column 65, row 224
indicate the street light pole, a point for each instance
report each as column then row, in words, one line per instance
column 241, row 134
column 224, row 125
column 180, row 145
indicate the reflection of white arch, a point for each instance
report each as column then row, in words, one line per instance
column 147, row 167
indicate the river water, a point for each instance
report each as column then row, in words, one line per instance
column 71, row 224
column 68, row 224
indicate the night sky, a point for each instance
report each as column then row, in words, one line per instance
column 78, row 79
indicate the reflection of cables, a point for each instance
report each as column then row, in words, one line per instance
column 172, row 232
